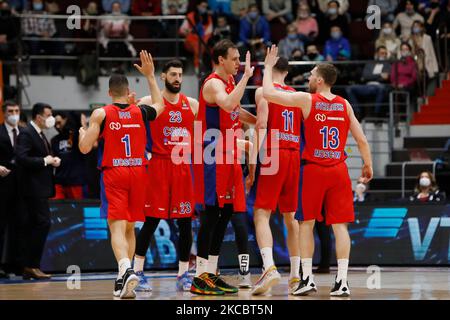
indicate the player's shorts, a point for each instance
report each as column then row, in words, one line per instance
column 229, row 186
column 328, row 188
column 281, row 188
column 170, row 190
column 123, row 193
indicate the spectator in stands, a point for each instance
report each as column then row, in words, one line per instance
column 239, row 8
column 313, row 54
column 203, row 22
column 221, row 31
column 324, row 6
column 290, row 43
column 70, row 176
column 307, row 27
column 280, row 10
column 115, row 34
column 387, row 8
column 374, row 78
column 254, row 32
column 389, row 39
column 220, row 7
column 108, row 5
column 406, row 18
column 8, row 32
column 174, row 7
column 337, row 48
column 52, row 7
column 43, row 28
column 360, row 193
column 332, row 18
column 146, row 7
column 298, row 73
column 403, row 72
column 436, row 17
column 422, row 46
column 426, row 189
column 18, row 5
column 88, row 28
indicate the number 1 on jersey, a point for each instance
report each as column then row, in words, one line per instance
column 126, row 140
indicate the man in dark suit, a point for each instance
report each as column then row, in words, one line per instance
column 9, row 205
column 37, row 164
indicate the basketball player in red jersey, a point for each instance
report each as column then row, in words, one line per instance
column 120, row 128
column 325, row 182
column 170, row 192
column 279, row 189
column 219, row 181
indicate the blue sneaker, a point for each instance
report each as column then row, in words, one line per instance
column 144, row 284
column 184, row 282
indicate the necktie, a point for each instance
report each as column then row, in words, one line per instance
column 14, row 131
column 47, row 145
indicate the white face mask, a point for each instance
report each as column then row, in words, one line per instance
column 424, row 182
column 50, row 122
column 13, row 119
column 361, row 187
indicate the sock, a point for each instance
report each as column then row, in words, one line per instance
column 266, row 254
column 183, row 266
column 306, row 267
column 295, row 267
column 212, row 264
column 124, row 265
column 342, row 269
column 244, row 263
column 138, row 264
column 202, row 266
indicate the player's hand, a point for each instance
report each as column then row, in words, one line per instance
column 250, row 179
column 147, row 67
column 4, row 171
column 248, row 68
column 132, row 98
column 366, row 173
column 271, row 57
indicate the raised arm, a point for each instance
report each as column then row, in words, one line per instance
column 147, row 69
column 215, row 92
column 88, row 137
column 363, row 145
column 295, row 99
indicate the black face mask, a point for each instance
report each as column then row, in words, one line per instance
column 312, row 56
column 434, row 5
column 297, row 58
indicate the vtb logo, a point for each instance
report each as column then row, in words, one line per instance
column 115, row 126
column 320, row 117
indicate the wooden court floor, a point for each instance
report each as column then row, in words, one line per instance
column 394, row 284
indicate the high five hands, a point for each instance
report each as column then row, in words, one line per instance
column 147, row 68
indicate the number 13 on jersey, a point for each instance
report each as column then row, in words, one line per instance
column 330, row 137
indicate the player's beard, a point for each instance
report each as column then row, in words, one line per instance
column 171, row 88
column 312, row 88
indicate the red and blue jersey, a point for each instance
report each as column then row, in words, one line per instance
column 284, row 123
column 325, row 131
column 122, row 141
column 172, row 128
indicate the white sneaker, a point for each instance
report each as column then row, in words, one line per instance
column 244, row 280
column 340, row 289
column 293, row 284
column 305, row 287
column 269, row 279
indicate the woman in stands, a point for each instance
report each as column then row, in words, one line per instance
column 426, row 189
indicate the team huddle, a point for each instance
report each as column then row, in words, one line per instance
column 152, row 169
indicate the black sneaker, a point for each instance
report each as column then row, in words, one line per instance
column 118, row 285
column 204, row 286
column 222, row 285
column 127, row 285
column 340, row 289
column 305, row 287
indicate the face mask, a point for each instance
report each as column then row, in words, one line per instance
column 202, row 11
column 416, row 30
column 304, row 15
column 312, row 56
column 336, row 35
column 410, row 12
column 292, row 36
column 13, row 119
column 424, row 182
column 50, row 122
column 332, row 11
column 91, row 12
column 38, row 6
column 253, row 15
column 297, row 58
column 361, row 187
column 381, row 58
column 387, row 31
column 406, row 54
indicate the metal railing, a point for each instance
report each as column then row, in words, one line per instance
column 406, row 163
column 395, row 117
column 441, row 42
